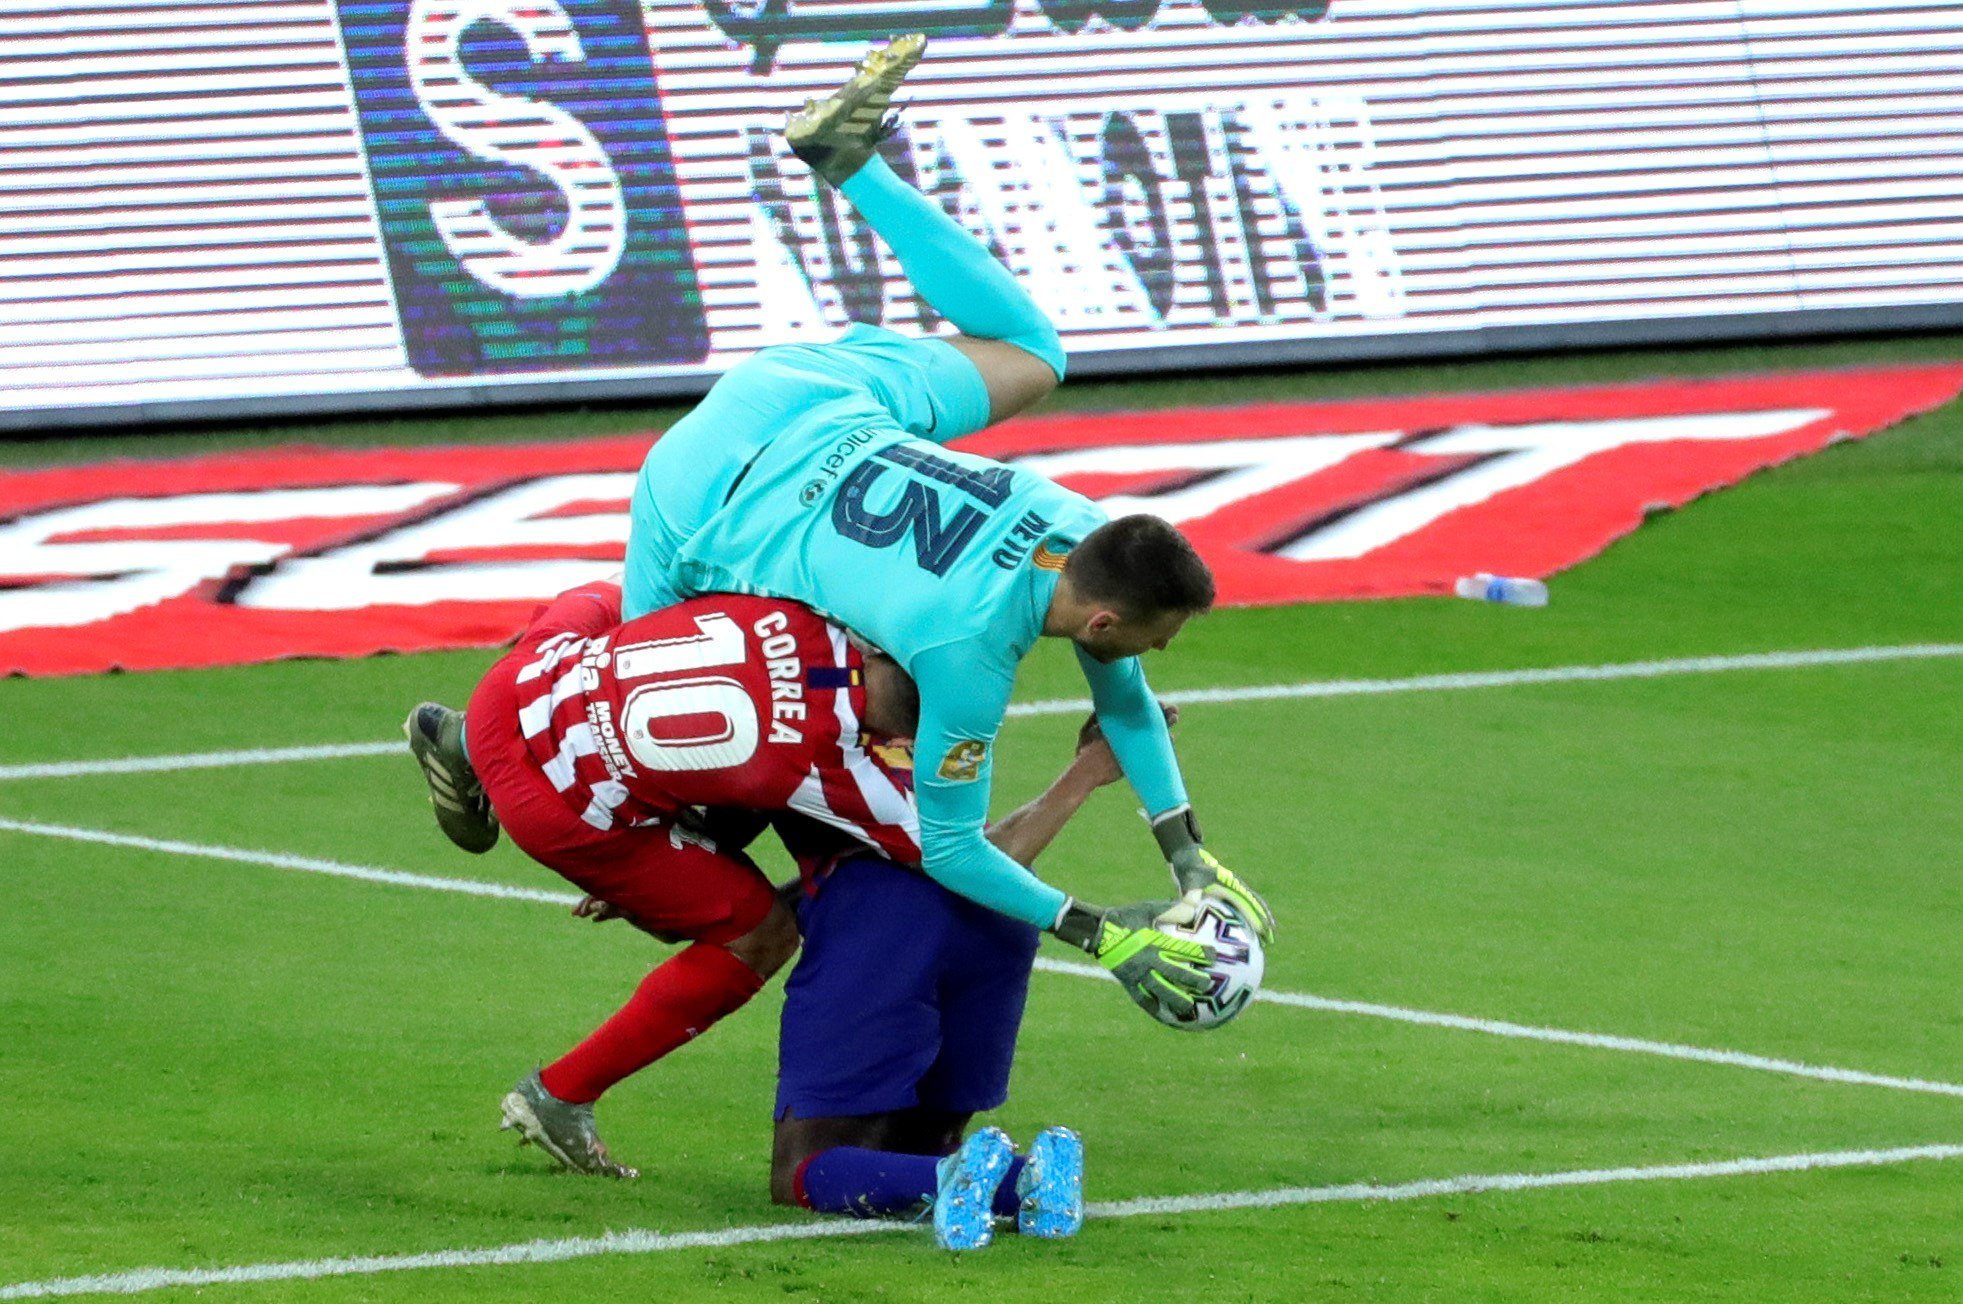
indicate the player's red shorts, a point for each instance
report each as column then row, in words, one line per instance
column 664, row 881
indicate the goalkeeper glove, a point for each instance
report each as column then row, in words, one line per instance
column 1160, row 972
column 1199, row 874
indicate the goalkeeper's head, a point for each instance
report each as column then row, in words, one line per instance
column 1129, row 587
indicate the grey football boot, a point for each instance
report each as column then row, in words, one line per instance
column 435, row 735
column 560, row 1128
column 836, row 135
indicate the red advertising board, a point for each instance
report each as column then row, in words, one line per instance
column 236, row 558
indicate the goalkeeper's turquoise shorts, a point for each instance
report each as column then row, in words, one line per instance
column 818, row 393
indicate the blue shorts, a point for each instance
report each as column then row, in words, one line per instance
column 905, row 995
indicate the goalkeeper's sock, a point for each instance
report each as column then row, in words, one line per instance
column 879, row 1183
column 951, row 269
column 678, row 1001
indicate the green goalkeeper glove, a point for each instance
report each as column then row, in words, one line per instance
column 1160, row 972
column 1199, row 874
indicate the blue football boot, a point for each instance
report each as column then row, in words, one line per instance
column 964, row 1203
column 1051, row 1187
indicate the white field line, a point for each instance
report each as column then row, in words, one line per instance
column 1566, row 1037
column 280, row 860
column 648, row 1242
column 198, row 760
column 1515, row 678
column 1071, row 706
column 1300, row 1000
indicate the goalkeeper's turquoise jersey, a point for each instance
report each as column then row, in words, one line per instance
column 811, row 482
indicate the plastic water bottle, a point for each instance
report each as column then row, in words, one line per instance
column 1512, row 590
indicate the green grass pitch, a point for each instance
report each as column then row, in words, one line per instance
column 211, row 1064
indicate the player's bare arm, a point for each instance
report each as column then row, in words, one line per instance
column 1026, row 832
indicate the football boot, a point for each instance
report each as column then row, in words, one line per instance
column 435, row 735
column 964, row 1198
column 836, row 135
column 560, row 1128
column 1050, row 1189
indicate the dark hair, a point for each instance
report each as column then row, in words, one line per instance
column 1141, row 566
column 896, row 692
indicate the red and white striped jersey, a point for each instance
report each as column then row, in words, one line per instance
column 718, row 701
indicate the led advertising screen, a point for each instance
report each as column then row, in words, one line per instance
column 285, row 204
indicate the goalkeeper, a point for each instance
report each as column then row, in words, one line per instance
column 816, row 473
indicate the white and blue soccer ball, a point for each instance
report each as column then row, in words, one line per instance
column 1238, row 963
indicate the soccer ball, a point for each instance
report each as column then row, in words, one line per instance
column 1238, row 963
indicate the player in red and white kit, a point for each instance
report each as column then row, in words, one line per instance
column 594, row 740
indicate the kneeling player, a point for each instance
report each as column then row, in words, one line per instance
column 591, row 741
column 899, row 1025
